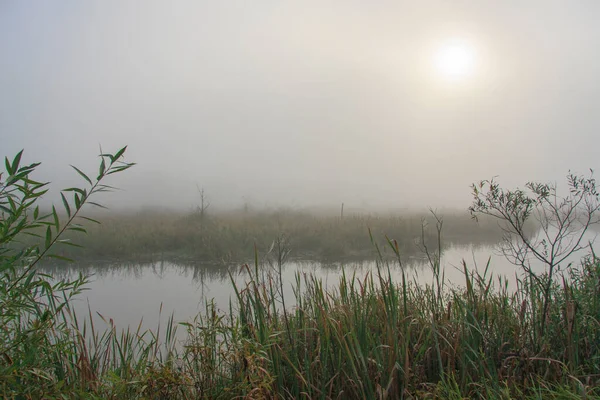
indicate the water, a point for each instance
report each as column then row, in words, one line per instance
column 128, row 294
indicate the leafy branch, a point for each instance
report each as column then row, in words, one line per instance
column 19, row 193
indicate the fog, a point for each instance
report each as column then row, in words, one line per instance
column 300, row 104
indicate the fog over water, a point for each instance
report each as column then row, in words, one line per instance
column 312, row 103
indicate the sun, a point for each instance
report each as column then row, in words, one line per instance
column 455, row 60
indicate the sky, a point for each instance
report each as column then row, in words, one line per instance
column 301, row 104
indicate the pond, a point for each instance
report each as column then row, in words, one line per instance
column 151, row 292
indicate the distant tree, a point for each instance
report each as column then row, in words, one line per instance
column 202, row 208
column 561, row 223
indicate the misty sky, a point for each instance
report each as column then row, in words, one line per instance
column 310, row 103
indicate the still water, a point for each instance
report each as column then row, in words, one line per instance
column 128, row 294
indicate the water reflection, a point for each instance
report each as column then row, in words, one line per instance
column 128, row 293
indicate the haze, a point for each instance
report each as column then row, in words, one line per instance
column 304, row 104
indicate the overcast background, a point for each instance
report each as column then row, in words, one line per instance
column 303, row 104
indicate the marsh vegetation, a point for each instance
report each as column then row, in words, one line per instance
column 374, row 335
column 227, row 237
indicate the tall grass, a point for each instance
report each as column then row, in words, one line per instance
column 371, row 337
column 366, row 337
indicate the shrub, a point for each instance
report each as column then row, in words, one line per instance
column 38, row 355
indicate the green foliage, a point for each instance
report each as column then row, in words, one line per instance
column 562, row 222
column 37, row 351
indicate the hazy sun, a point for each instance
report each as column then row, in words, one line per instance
column 455, row 60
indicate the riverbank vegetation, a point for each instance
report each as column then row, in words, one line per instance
column 231, row 236
column 366, row 337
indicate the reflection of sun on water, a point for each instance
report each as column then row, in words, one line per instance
column 455, row 60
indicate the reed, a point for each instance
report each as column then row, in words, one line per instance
column 366, row 337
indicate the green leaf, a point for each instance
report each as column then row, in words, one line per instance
column 77, row 229
column 29, row 278
column 97, row 204
column 102, row 169
column 13, row 205
column 56, row 221
column 90, row 219
column 7, row 165
column 73, row 189
column 16, row 161
column 105, row 188
column 31, row 167
column 38, row 194
column 77, row 201
column 45, row 216
column 21, row 175
column 35, row 184
column 82, row 174
column 120, row 168
column 28, row 205
column 48, row 236
column 60, row 257
column 31, row 234
column 66, row 204
column 119, row 154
